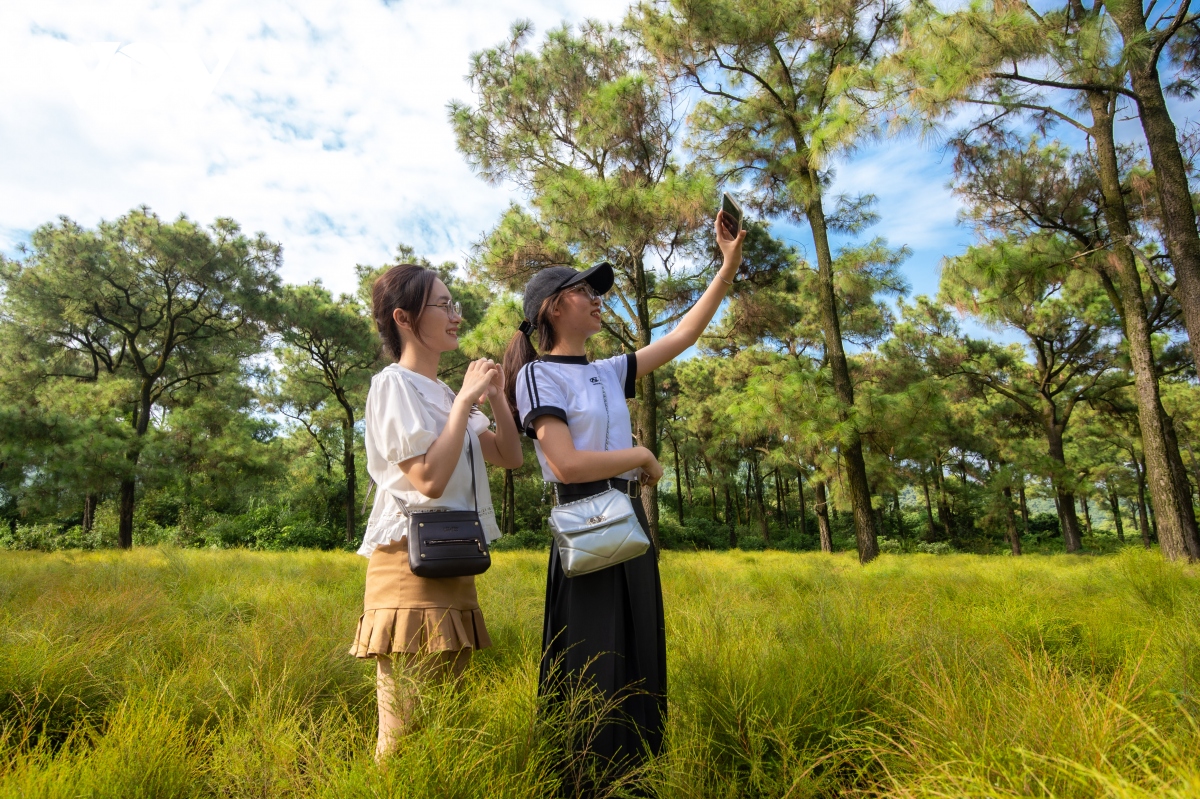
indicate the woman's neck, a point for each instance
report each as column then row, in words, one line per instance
column 420, row 359
column 575, row 346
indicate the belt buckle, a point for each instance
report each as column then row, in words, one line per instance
column 633, row 488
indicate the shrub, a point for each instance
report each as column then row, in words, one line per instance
column 1044, row 525
column 890, row 545
column 936, row 548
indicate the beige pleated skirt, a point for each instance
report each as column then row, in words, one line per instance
column 406, row 613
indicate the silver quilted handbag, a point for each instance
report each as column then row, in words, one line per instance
column 596, row 532
column 599, row 531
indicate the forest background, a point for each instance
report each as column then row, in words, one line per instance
column 162, row 384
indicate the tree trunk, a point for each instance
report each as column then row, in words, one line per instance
column 730, row 521
column 1024, row 506
column 1115, row 506
column 510, row 504
column 141, row 423
column 1010, row 518
column 749, row 496
column 931, row 535
column 781, row 499
column 851, row 447
column 944, row 514
column 1143, row 514
column 1177, row 213
column 678, row 481
column 763, row 524
column 821, row 506
column 125, row 515
column 348, row 468
column 89, row 512
column 1169, row 491
column 687, row 482
column 1067, row 520
column 737, row 502
column 1087, row 516
column 712, row 489
column 647, row 397
column 803, row 510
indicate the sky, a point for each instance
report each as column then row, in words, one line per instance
column 323, row 125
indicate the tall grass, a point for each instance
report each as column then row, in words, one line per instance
column 164, row 673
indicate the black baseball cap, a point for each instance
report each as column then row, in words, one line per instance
column 554, row 279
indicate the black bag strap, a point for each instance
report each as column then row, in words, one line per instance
column 471, row 459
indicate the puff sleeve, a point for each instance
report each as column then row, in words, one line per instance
column 538, row 394
column 397, row 419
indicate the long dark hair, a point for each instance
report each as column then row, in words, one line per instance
column 407, row 287
column 520, row 350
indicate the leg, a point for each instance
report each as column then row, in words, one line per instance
column 396, row 695
column 451, row 665
column 398, row 685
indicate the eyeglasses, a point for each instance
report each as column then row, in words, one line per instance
column 586, row 290
column 449, row 306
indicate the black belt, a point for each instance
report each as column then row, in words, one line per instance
column 566, row 492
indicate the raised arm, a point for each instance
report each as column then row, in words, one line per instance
column 583, row 466
column 697, row 318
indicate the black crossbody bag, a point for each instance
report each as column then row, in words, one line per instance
column 448, row 543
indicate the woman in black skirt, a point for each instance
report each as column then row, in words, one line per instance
column 602, row 631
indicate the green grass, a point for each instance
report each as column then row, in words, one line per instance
column 163, row 673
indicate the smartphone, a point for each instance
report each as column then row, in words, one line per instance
column 733, row 213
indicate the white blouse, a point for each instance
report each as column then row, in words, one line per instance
column 406, row 412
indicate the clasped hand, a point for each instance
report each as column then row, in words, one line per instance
column 484, row 380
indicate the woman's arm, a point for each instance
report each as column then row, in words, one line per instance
column 503, row 447
column 575, row 466
column 695, row 320
column 429, row 473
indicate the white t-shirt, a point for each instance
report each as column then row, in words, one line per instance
column 406, row 412
column 587, row 396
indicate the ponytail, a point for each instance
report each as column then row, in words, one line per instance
column 520, row 351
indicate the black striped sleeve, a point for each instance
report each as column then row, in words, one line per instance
column 545, row 398
column 631, row 375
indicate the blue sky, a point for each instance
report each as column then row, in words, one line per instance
column 322, row 124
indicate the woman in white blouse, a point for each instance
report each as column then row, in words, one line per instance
column 417, row 434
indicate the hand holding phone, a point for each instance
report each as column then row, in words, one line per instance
column 732, row 214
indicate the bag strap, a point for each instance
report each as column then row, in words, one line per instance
column 471, row 457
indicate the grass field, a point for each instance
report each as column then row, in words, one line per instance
column 163, row 673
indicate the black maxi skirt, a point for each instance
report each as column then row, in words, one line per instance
column 604, row 632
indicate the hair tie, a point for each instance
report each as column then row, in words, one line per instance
column 525, row 327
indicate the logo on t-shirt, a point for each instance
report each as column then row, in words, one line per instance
column 595, row 380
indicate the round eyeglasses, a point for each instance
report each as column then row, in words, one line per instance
column 586, row 290
column 449, row 306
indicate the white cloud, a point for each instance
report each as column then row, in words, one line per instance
column 322, row 124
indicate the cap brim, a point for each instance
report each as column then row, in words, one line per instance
column 600, row 277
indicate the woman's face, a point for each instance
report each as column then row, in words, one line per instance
column 438, row 322
column 578, row 312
